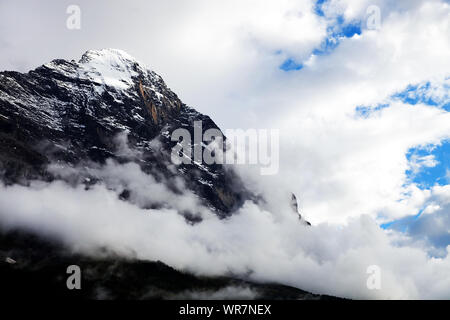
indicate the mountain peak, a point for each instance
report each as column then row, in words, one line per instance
column 74, row 112
column 112, row 67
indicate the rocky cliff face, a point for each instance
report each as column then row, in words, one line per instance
column 71, row 113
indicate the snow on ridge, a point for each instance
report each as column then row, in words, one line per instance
column 114, row 68
column 111, row 67
column 113, row 57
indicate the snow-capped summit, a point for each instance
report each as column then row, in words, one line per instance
column 106, row 67
column 112, row 67
column 108, row 56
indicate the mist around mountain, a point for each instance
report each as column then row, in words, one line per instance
column 103, row 124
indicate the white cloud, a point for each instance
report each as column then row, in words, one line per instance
column 344, row 166
column 266, row 246
column 419, row 162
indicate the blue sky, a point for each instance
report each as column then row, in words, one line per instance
column 430, row 163
column 428, row 176
column 337, row 30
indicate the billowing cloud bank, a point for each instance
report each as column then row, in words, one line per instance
column 254, row 243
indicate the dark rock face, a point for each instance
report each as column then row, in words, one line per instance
column 71, row 112
column 295, row 209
